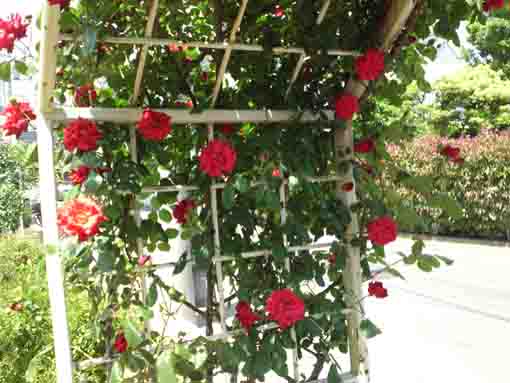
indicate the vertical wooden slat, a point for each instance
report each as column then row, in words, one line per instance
column 297, row 70
column 213, row 190
column 133, row 144
column 45, row 141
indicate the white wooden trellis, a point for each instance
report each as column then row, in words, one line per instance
column 398, row 14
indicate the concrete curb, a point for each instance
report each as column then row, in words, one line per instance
column 467, row 241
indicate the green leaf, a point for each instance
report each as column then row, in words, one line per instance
column 117, row 373
column 21, row 67
column 181, row 264
column 449, row 205
column 133, row 336
column 35, row 364
column 105, row 261
column 368, row 329
column 333, row 375
column 279, row 252
column 163, row 246
column 165, row 215
column 172, row 233
column 152, row 295
column 241, row 184
column 5, row 71
column 165, row 371
column 228, row 196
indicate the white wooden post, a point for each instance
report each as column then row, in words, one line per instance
column 49, row 35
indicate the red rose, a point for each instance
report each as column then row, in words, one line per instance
column 411, row 39
column 11, row 30
column 245, row 315
column 285, row 307
column 204, row 76
column 143, row 259
column 227, row 129
column 376, row 289
column 278, row 11
column 121, row 343
column 382, row 231
column 16, row 26
column 6, row 38
column 346, row 106
column 85, row 95
column 80, row 217
column 18, row 116
column 62, row 3
column 370, row 66
column 493, row 4
column 154, row 126
column 81, row 134
column 366, row 145
column 451, row 152
column 79, row 175
column 332, row 258
column 182, row 210
column 276, row 172
column 348, row 187
column 218, row 158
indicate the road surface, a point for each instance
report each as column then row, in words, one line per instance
column 448, row 326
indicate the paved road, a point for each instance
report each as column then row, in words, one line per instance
column 448, row 326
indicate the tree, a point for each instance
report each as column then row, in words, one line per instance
column 473, row 99
column 491, row 39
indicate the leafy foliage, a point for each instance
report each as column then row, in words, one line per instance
column 490, row 37
column 471, row 100
column 26, row 350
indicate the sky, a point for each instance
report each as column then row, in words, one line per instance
column 448, row 61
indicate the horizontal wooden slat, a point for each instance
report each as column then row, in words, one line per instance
column 202, row 45
column 180, row 116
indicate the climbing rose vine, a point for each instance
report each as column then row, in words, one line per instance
column 128, row 203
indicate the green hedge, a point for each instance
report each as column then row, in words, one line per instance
column 481, row 186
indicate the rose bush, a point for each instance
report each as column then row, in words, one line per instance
column 104, row 258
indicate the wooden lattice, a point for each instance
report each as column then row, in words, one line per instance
column 395, row 20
